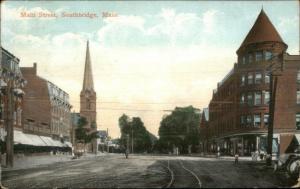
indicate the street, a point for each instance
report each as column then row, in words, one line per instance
column 140, row 171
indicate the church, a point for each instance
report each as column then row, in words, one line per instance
column 88, row 99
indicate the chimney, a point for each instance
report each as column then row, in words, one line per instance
column 34, row 67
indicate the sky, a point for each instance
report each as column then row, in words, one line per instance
column 151, row 57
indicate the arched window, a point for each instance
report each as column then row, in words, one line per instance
column 88, row 104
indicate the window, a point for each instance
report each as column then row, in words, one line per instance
column 267, row 78
column 88, row 104
column 258, row 56
column 268, row 55
column 244, row 60
column 243, row 78
column 243, row 120
column 257, row 98
column 249, row 120
column 15, row 118
column 250, row 78
column 266, row 97
column 298, row 96
column 250, row 58
column 258, row 77
column 298, row 77
column 266, row 120
column 19, row 116
column 256, row 120
column 250, row 99
column 298, row 121
column 242, row 98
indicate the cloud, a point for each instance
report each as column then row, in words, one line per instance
column 288, row 23
column 169, row 28
column 209, row 19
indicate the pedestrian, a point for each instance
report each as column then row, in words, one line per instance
column 126, row 153
column 236, row 158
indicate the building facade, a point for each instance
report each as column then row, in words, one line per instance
column 10, row 71
column 46, row 107
column 88, row 99
column 239, row 108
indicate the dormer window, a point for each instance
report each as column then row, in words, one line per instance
column 258, row 56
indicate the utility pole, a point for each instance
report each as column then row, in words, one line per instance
column 127, row 147
column 107, row 141
column 273, row 89
column 131, row 140
column 10, row 121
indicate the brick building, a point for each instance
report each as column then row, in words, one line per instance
column 46, row 107
column 239, row 108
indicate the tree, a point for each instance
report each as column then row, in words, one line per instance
column 133, row 132
column 82, row 133
column 179, row 129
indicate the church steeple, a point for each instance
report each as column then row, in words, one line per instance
column 88, row 98
column 88, row 83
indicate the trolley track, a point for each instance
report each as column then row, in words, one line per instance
column 181, row 176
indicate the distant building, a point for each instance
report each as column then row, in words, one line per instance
column 46, row 107
column 102, row 141
column 238, row 116
column 88, row 99
column 103, row 135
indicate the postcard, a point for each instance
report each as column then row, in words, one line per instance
column 149, row 94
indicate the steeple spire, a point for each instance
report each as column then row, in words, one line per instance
column 88, row 83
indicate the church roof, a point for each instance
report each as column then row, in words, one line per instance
column 88, row 83
column 262, row 31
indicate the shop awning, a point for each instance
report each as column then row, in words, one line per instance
column 36, row 140
column 58, row 143
column 28, row 139
column 48, row 140
column 68, row 144
column 21, row 138
column 285, row 141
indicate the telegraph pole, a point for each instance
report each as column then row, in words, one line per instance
column 131, row 140
column 273, row 89
column 9, row 124
column 127, row 147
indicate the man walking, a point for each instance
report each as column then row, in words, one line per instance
column 236, row 158
column 126, row 153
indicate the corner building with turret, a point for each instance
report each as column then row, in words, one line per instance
column 238, row 113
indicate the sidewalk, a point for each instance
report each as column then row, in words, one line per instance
column 26, row 162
